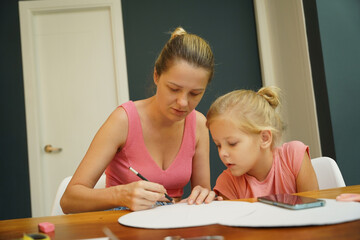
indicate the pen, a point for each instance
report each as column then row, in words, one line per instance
column 143, row 178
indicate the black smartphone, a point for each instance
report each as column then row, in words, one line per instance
column 291, row 201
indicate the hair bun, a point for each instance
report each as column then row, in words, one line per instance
column 177, row 32
column 271, row 95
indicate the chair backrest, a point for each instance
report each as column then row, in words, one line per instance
column 56, row 208
column 328, row 173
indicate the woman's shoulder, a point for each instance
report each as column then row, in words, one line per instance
column 131, row 109
column 200, row 118
column 120, row 111
column 200, row 121
column 115, row 128
column 118, row 117
column 202, row 132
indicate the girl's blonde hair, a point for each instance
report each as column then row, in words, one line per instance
column 253, row 111
column 189, row 47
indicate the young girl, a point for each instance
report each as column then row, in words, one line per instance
column 246, row 128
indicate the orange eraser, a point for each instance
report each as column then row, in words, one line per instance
column 46, row 227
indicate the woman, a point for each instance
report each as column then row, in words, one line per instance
column 163, row 137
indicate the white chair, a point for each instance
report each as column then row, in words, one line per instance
column 56, row 208
column 328, row 173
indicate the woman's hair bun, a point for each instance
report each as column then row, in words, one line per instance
column 177, row 32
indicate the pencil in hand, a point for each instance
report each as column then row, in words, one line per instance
column 143, row 178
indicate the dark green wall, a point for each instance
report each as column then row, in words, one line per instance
column 14, row 177
column 339, row 24
column 228, row 25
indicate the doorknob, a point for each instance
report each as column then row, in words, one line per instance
column 50, row 149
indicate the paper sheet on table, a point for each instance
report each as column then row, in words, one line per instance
column 183, row 215
column 270, row 216
column 240, row 214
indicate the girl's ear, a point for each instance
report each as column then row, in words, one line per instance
column 266, row 138
column 156, row 77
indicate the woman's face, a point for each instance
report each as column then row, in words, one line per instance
column 180, row 89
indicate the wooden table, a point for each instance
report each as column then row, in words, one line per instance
column 90, row 225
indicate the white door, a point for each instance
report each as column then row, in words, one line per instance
column 74, row 77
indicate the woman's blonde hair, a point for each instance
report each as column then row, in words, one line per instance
column 253, row 111
column 189, row 47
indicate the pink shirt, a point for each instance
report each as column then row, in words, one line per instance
column 281, row 178
column 135, row 154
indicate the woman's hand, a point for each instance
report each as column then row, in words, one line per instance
column 140, row 195
column 201, row 195
column 349, row 197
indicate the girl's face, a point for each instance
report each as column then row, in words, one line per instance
column 180, row 89
column 239, row 151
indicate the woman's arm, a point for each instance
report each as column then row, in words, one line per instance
column 80, row 195
column 306, row 179
column 200, row 178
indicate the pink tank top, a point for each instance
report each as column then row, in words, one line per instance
column 135, row 154
column 281, row 178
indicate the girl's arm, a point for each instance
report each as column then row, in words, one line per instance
column 80, row 195
column 306, row 179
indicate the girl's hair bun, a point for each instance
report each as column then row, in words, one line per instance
column 271, row 95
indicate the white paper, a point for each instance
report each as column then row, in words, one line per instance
column 183, row 215
column 271, row 216
column 240, row 214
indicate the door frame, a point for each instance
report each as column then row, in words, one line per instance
column 285, row 62
column 27, row 10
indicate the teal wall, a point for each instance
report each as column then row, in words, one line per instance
column 14, row 177
column 339, row 24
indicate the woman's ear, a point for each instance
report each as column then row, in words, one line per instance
column 266, row 138
column 156, row 77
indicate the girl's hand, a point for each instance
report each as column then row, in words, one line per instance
column 201, row 195
column 140, row 195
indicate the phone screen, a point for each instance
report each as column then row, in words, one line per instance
column 291, row 201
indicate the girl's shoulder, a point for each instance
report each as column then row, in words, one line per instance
column 291, row 154
column 291, row 150
column 293, row 146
